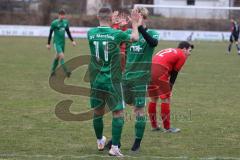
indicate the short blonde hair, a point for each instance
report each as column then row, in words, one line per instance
column 144, row 11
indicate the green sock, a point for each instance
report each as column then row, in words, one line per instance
column 63, row 65
column 140, row 124
column 98, row 126
column 54, row 64
column 117, row 125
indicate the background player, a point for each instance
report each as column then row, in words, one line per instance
column 234, row 36
column 106, row 75
column 165, row 67
column 59, row 26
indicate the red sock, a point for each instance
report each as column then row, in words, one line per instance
column 152, row 114
column 165, row 114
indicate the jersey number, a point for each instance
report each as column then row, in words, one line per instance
column 161, row 54
column 105, row 46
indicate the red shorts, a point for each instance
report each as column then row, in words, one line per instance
column 159, row 85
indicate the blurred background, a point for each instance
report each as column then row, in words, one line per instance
column 164, row 14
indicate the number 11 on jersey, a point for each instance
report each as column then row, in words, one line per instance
column 104, row 44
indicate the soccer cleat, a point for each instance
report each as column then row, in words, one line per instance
column 68, row 74
column 101, row 143
column 172, row 130
column 239, row 52
column 158, row 129
column 136, row 145
column 109, row 144
column 115, row 151
column 52, row 74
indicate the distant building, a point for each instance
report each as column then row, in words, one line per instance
column 194, row 13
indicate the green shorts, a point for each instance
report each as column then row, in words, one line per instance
column 59, row 48
column 135, row 93
column 110, row 94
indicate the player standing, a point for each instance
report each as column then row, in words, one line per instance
column 165, row 67
column 137, row 74
column 234, row 36
column 58, row 27
column 105, row 75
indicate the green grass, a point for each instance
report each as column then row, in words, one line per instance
column 205, row 106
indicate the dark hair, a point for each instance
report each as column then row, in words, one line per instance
column 105, row 13
column 185, row 44
column 61, row 12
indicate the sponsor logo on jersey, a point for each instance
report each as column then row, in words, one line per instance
column 137, row 48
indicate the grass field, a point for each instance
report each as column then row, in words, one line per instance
column 205, row 106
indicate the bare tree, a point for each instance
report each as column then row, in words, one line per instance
column 46, row 8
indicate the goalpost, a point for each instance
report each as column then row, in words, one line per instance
column 191, row 22
column 197, row 12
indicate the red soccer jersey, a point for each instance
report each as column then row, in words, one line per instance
column 171, row 58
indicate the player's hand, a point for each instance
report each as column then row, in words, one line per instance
column 48, row 46
column 123, row 20
column 74, row 43
column 140, row 21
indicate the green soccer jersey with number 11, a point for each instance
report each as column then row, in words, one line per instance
column 105, row 66
column 139, row 59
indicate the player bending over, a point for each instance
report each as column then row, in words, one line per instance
column 165, row 67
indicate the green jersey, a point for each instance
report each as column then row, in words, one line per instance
column 139, row 58
column 59, row 27
column 105, row 65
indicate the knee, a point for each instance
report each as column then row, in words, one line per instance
column 139, row 111
column 99, row 112
column 154, row 99
column 117, row 114
column 166, row 100
column 61, row 56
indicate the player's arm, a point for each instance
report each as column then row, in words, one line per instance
column 70, row 35
column 49, row 39
column 136, row 19
column 178, row 66
column 153, row 42
column 173, row 77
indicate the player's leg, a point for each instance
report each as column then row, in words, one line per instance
column 128, row 92
column 153, row 93
column 152, row 113
column 165, row 112
column 116, row 105
column 140, row 116
column 97, row 101
column 117, row 126
column 230, row 44
column 60, row 52
column 54, row 65
column 65, row 69
column 166, row 116
column 236, row 43
column 98, row 127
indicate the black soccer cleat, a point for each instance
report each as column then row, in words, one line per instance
column 68, row 74
column 53, row 74
column 136, row 145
